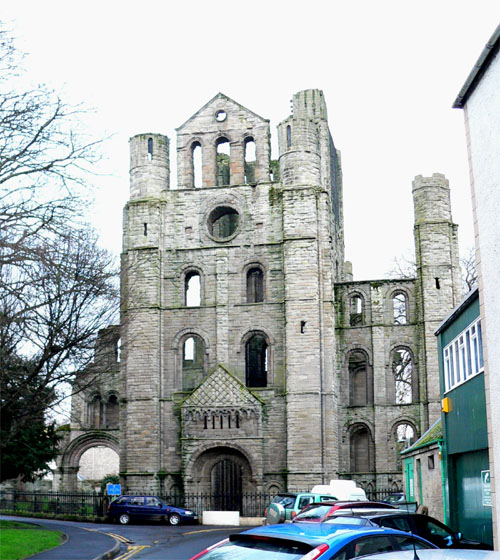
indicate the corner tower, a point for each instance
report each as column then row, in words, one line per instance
column 141, row 287
column 438, row 287
column 312, row 260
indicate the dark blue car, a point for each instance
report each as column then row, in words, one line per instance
column 311, row 541
column 126, row 508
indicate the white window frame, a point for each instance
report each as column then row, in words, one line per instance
column 463, row 356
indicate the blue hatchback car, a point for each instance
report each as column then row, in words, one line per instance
column 309, row 541
column 126, row 508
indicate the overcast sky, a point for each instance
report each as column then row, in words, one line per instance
column 390, row 71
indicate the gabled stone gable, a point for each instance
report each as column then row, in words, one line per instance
column 221, row 390
column 221, row 102
column 220, row 409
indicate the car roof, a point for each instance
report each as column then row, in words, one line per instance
column 370, row 512
column 354, row 504
column 399, row 511
column 317, row 533
column 139, row 496
column 439, row 554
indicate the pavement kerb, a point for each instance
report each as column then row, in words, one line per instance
column 111, row 553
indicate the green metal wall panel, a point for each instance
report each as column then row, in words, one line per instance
column 465, row 426
column 466, row 317
column 469, row 515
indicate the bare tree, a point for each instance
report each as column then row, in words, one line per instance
column 45, row 160
column 57, row 286
column 407, row 268
column 403, row 267
column 469, row 269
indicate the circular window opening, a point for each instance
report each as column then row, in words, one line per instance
column 223, row 222
column 220, row 116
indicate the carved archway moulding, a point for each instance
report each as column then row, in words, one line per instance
column 72, row 454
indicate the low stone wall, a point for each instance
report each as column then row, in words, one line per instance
column 230, row 518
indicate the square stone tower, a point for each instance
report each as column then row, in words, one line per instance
column 228, row 334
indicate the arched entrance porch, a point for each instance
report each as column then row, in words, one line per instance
column 223, row 472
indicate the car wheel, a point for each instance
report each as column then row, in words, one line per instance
column 124, row 519
column 174, row 519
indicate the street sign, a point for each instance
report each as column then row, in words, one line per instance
column 486, row 488
column 113, row 489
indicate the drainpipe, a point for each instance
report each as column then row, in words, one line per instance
column 443, row 481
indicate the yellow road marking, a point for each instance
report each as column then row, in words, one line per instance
column 120, row 538
column 114, row 535
column 131, row 551
column 204, row 531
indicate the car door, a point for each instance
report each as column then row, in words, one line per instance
column 402, row 523
column 434, row 531
column 136, row 507
column 154, row 507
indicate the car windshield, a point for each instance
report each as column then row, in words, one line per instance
column 346, row 520
column 394, row 498
column 285, row 501
column 316, row 512
column 262, row 549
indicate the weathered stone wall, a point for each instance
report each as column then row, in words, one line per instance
column 377, row 336
column 299, row 433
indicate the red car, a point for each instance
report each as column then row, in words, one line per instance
column 320, row 511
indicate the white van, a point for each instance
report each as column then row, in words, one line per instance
column 342, row 489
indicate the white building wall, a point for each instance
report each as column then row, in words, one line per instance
column 482, row 118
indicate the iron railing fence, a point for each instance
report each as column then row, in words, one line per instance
column 380, row 494
column 93, row 504
column 90, row 504
column 249, row 504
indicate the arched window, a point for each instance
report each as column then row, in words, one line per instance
column 249, row 160
column 95, row 412
column 192, row 289
column 360, row 379
column 255, row 285
column 404, row 436
column 193, row 362
column 288, row 136
column 112, row 411
column 356, row 311
column 196, row 162
column 402, row 368
column 223, row 162
column 362, row 450
column 150, row 149
column 400, row 309
column 256, row 353
column 118, row 350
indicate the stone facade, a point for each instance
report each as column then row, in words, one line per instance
column 95, row 410
column 250, row 359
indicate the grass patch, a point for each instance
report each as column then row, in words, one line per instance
column 19, row 540
column 4, row 524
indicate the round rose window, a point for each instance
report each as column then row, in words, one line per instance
column 223, row 222
column 220, row 116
